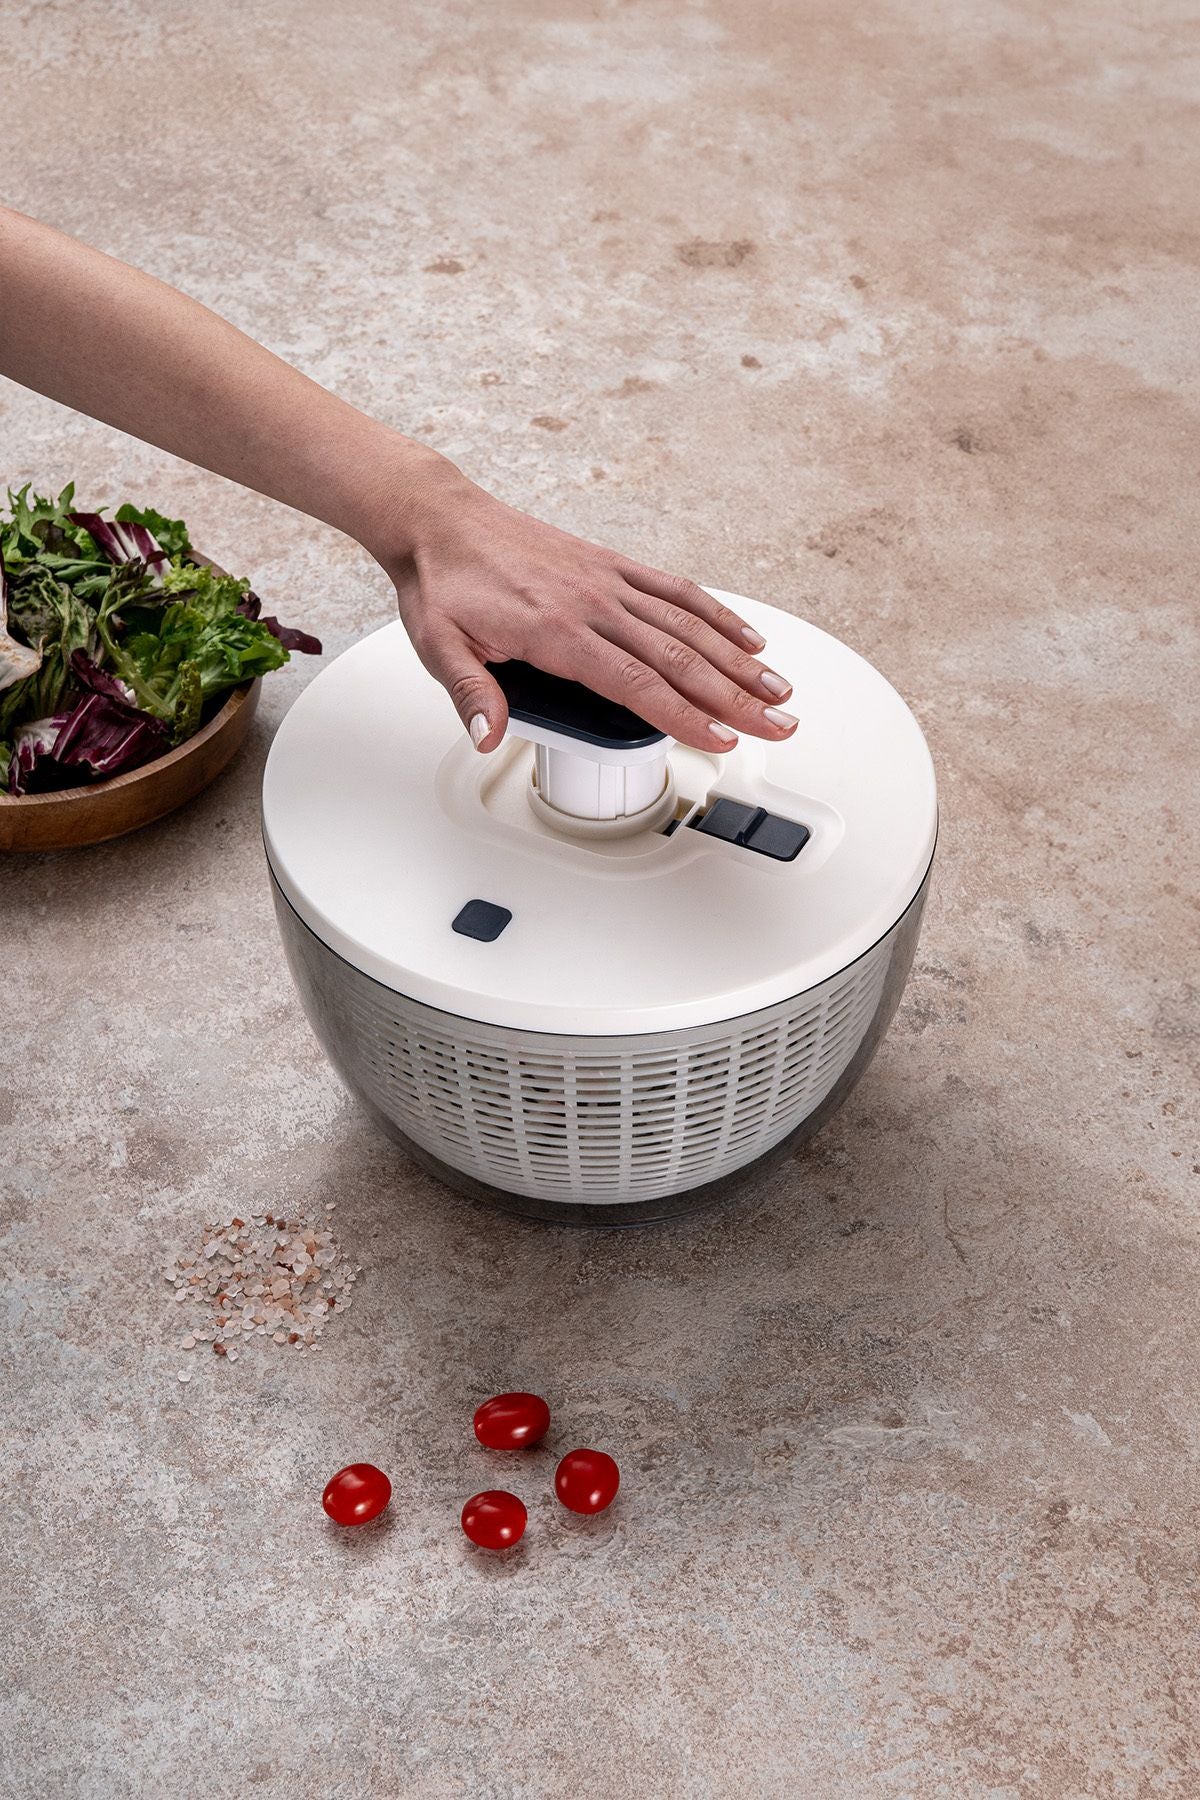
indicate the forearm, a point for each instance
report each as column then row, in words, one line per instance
column 113, row 342
column 476, row 581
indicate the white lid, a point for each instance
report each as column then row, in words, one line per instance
column 381, row 822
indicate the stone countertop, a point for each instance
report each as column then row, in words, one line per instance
column 887, row 315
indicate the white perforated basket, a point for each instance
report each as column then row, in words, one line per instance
column 593, row 1121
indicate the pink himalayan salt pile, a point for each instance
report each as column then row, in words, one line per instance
column 271, row 1277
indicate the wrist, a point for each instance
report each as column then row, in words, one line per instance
column 403, row 492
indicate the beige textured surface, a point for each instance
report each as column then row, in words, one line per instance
column 886, row 312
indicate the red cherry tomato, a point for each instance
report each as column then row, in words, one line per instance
column 512, row 1422
column 356, row 1494
column 494, row 1520
column 586, row 1481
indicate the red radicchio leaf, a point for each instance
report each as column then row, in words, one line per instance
column 99, row 680
column 101, row 734
column 291, row 639
column 107, row 736
column 32, row 743
column 125, row 542
column 288, row 635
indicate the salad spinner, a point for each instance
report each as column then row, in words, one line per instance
column 595, row 975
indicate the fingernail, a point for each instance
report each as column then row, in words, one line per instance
column 722, row 733
column 785, row 720
column 754, row 638
column 478, row 729
column 775, row 684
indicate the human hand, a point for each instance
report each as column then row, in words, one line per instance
column 479, row 582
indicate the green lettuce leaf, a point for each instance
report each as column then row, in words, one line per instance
column 185, row 633
column 42, row 531
column 189, row 698
column 226, row 649
column 205, row 591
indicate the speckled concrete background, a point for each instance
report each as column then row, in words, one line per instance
column 886, row 313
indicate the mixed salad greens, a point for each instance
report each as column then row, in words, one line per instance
column 113, row 639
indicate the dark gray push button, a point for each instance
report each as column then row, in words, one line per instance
column 781, row 838
column 480, row 919
column 754, row 828
column 730, row 820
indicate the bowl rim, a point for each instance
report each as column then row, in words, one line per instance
column 87, row 791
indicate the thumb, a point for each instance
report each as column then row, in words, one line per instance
column 477, row 696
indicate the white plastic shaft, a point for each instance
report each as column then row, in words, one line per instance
column 574, row 783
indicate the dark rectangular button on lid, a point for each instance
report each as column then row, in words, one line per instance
column 781, row 838
column 754, row 828
column 730, row 820
column 480, row 919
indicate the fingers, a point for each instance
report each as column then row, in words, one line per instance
column 695, row 680
column 678, row 591
column 619, row 674
column 622, row 676
column 477, row 696
column 676, row 622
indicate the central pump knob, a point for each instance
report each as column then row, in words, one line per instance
column 589, row 788
column 599, row 770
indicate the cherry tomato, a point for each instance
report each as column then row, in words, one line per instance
column 494, row 1520
column 512, row 1422
column 586, row 1481
column 356, row 1494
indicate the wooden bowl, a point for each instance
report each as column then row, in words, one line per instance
column 107, row 809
